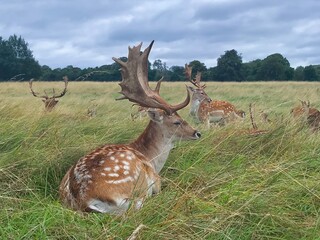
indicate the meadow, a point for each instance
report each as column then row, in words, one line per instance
column 227, row 185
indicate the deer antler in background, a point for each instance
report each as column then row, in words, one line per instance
column 50, row 102
column 196, row 80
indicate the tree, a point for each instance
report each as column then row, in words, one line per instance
column 159, row 70
column 298, row 74
column 197, row 66
column 177, row 73
column 250, row 70
column 229, row 66
column 71, row 72
column 210, row 74
column 310, row 73
column 16, row 58
column 275, row 67
column 6, row 59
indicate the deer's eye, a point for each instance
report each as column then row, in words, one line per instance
column 177, row 123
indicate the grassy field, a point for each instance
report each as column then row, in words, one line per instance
column 227, row 185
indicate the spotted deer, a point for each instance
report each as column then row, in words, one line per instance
column 112, row 178
column 304, row 110
column 205, row 110
column 50, row 102
column 311, row 116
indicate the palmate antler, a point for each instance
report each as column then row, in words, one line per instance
column 135, row 86
column 196, row 81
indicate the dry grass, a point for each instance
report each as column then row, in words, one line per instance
column 227, row 185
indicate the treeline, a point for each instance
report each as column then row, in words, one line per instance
column 17, row 63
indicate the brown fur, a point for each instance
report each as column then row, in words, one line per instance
column 112, row 177
column 129, row 172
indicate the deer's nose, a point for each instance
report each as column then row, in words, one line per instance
column 197, row 134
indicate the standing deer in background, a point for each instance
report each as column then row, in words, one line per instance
column 203, row 109
column 50, row 102
column 112, row 178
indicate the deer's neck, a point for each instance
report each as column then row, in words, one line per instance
column 154, row 145
column 195, row 104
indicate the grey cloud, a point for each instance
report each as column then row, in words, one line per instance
column 88, row 33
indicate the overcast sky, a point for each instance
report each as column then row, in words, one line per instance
column 88, row 33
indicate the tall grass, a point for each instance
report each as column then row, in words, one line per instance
column 227, row 185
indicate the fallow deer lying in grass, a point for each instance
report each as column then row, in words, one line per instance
column 308, row 114
column 311, row 115
column 50, row 102
column 112, row 178
column 203, row 109
column 303, row 110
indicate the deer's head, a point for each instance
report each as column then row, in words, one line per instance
column 135, row 88
column 198, row 93
column 50, row 102
column 173, row 126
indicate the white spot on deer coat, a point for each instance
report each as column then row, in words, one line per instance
column 126, row 167
column 126, row 163
column 124, row 180
column 113, row 175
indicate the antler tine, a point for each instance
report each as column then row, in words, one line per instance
column 184, row 103
column 196, row 81
column 33, row 93
column 254, row 125
column 188, row 72
column 65, row 79
column 135, row 86
column 198, row 78
column 157, row 89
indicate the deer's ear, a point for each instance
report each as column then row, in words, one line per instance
column 156, row 115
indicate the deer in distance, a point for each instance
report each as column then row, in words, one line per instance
column 112, row 178
column 50, row 102
column 139, row 114
column 205, row 110
column 304, row 110
column 310, row 115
